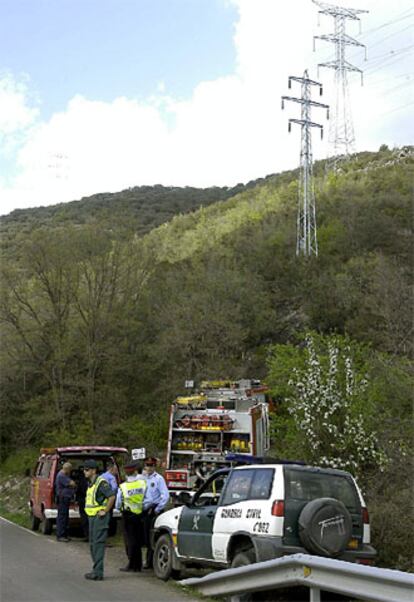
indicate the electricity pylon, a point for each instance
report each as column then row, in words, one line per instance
column 341, row 132
column 307, row 240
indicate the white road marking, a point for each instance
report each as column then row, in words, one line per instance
column 20, row 526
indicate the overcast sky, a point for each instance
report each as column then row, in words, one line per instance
column 100, row 95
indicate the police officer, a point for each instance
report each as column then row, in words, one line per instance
column 81, row 489
column 130, row 500
column 99, row 502
column 156, row 498
column 110, row 475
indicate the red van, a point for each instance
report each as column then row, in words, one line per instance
column 43, row 509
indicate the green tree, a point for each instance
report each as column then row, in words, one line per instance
column 327, row 399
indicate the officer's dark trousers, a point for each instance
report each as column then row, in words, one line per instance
column 133, row 539
column 84, row 518
column 62, row 521
column 148, row 518
column 98, row 532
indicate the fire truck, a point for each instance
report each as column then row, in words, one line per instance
column 220, row 418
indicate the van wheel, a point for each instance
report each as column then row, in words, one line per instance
column 34, row 522
column 47, row 526
column 163, row 559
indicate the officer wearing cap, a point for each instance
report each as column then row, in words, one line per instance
column 129, row 500
column 99, row 502
column 156, row 498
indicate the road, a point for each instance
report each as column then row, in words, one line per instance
column 35, row 568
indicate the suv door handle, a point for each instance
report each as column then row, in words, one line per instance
column 210, row 514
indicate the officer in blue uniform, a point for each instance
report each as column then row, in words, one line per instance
column 156, row 498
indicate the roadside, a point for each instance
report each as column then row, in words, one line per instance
column 14, row 494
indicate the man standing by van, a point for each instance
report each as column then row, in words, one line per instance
column 64, row 488
column 99, row 502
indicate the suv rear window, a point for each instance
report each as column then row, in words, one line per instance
column 307, row 486
column 254, row 484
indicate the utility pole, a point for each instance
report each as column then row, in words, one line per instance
column 341, row 131
column 306, row 241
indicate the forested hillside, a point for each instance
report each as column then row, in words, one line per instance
column 101, row 324
column 136, row 210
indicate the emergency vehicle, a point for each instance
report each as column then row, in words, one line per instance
column 220, row 418
column 259, row 512
column 42, row 503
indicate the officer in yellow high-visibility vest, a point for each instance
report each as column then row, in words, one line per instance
column 130, row 500
column 100, row 499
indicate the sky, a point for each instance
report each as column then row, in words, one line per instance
column 102, row 95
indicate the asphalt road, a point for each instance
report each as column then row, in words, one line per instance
column 35, row 568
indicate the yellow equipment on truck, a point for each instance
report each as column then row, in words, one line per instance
column 222, row 417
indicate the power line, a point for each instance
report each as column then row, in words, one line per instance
column 408, row 104
column 381, row 40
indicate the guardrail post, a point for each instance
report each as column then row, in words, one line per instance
column 315, row 594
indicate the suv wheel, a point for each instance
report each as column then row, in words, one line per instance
column 34, row 522
column 325, row 527
column 47, row 526
column 163, row 559
column 243, row 558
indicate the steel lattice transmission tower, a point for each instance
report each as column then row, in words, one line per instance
column 306, row 242
column 341, row 131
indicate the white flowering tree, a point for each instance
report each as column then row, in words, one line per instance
column 326, row 396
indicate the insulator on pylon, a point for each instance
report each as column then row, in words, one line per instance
column 289, row 127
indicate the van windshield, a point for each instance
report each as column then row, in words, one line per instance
column 307, row 485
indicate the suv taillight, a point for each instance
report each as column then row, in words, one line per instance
column 278, row 508
column 365, row 516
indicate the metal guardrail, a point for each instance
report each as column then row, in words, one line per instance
column 317, row 573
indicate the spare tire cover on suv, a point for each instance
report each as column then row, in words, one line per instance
column 325, row 527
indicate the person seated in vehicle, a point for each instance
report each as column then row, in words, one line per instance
column 203, row 472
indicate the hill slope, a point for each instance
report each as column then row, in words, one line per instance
column 95, row 321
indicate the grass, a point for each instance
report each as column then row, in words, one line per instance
column 20, row 518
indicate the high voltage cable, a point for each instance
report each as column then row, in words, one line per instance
column 385, row 64
column 391, row 54
column 374, row 83
column 408, row 104
column 355, row 55
column 374, row 29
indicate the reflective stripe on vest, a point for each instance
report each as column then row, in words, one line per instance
column 91, row 505
column 133, row 495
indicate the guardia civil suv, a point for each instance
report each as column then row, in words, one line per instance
column 259, row 512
